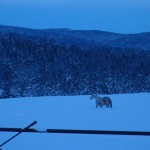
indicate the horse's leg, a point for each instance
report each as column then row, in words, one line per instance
column 105, row 103
column 110, row 103
column 100, row 105
column 97, row 104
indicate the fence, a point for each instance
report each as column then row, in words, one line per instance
column 67, row 131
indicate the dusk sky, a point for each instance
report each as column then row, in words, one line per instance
column 129, row 16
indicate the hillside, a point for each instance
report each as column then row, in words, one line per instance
column 84, row 38
column 71, row 62
column 134, row 41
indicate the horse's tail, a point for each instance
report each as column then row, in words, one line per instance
column 110, row 102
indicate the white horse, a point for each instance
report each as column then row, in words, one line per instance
column 101, row 101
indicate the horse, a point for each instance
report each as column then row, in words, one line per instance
column 101, row 101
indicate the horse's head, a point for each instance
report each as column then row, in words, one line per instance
column 92, row 96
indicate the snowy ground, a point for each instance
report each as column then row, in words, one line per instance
column 130, row 112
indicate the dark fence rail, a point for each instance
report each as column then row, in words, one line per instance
column 67, row 131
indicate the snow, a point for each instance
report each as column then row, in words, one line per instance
column 130, row 112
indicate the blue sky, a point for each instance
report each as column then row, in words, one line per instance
column 130, row 16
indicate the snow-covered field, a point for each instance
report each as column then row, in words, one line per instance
column 130, row 112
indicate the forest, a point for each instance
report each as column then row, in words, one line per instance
column 39, row 66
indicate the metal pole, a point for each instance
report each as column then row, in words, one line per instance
column 33, row 123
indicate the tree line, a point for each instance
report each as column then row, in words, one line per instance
column 32, row 66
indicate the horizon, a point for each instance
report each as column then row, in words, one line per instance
column 129, row 17
column 61, row 28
